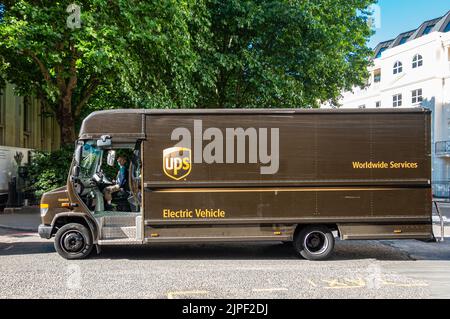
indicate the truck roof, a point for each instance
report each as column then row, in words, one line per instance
column 129, row 122
column 261, row 111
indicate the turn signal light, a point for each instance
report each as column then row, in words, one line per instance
column 44, row 209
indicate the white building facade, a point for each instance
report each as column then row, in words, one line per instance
column 413, row 70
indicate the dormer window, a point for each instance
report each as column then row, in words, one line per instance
column 380, row 52
column 403, row 40
column 447, row 28
column 428, row 29
column 398, row 67
column 417, row 61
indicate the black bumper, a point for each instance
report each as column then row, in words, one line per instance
column 45, row 231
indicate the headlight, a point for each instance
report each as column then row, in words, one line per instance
column 44, row 209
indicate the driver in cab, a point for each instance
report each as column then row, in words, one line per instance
column 120, row 183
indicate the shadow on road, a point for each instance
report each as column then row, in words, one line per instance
column 24, row 244
column 244, row 251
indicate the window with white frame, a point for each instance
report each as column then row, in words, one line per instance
column 378, row 104
column 417, row 61
column 398, row 67
column 397, row 100
column 417, row 96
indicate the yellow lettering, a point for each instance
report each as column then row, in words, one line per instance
column 177, row 165
column 186, row 163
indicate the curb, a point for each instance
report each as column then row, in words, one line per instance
column 18, row 228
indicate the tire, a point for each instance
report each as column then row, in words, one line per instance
column 73, row 241
column 314, row 243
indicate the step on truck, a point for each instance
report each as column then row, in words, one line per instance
column 304, row 176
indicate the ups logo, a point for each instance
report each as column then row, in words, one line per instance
column 177, row 162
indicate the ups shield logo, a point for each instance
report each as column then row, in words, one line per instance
column 177, row 162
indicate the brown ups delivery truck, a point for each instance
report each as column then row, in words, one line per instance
column 301, row 176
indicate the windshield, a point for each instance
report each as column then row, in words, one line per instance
column 90, row 157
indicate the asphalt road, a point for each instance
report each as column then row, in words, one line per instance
column 30, row 268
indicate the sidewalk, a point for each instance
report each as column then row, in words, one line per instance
column 25, row 222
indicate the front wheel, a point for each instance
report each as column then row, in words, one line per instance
column 73, row 241
column 314, row 242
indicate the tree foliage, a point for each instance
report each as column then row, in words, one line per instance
column 183, row 54
column 49, row 170
column 143, row 47
column 292, row 53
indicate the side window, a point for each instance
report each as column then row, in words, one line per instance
column 136, row 174
column 136, row 164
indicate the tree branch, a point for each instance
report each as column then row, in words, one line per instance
column 89, row 89
column 72, row 82
column 42, row 67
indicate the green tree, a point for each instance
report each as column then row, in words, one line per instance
column 143, row 48
column 284, row 53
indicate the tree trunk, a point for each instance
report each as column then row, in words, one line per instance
column 66, row 121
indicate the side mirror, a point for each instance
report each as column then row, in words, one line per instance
column 104, row 141
column 77, row 155
column 111, row 158
column 75, row 171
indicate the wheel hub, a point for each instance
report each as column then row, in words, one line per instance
column 316, row 242
column 73, row 242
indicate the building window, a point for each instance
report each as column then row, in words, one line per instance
column 398, row 67
column 26, row 114
column 447, row 28
column 380, row 52
column 417, row 61
column 377, row 76
column 2, row 115
column 378, row 104
column 403, row 40
column 428, row 29
column 417, row 96
column 26, row 122
column 397, row 100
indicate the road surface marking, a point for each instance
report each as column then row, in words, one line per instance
column 345, row 284
column 9, row 247
column 172, row 294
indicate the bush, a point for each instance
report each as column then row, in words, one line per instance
column 49, row 170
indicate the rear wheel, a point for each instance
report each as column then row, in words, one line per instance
column 73, row 241
column 314, row 243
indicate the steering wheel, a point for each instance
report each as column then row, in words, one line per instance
column 99, row 178
column 78, row 186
